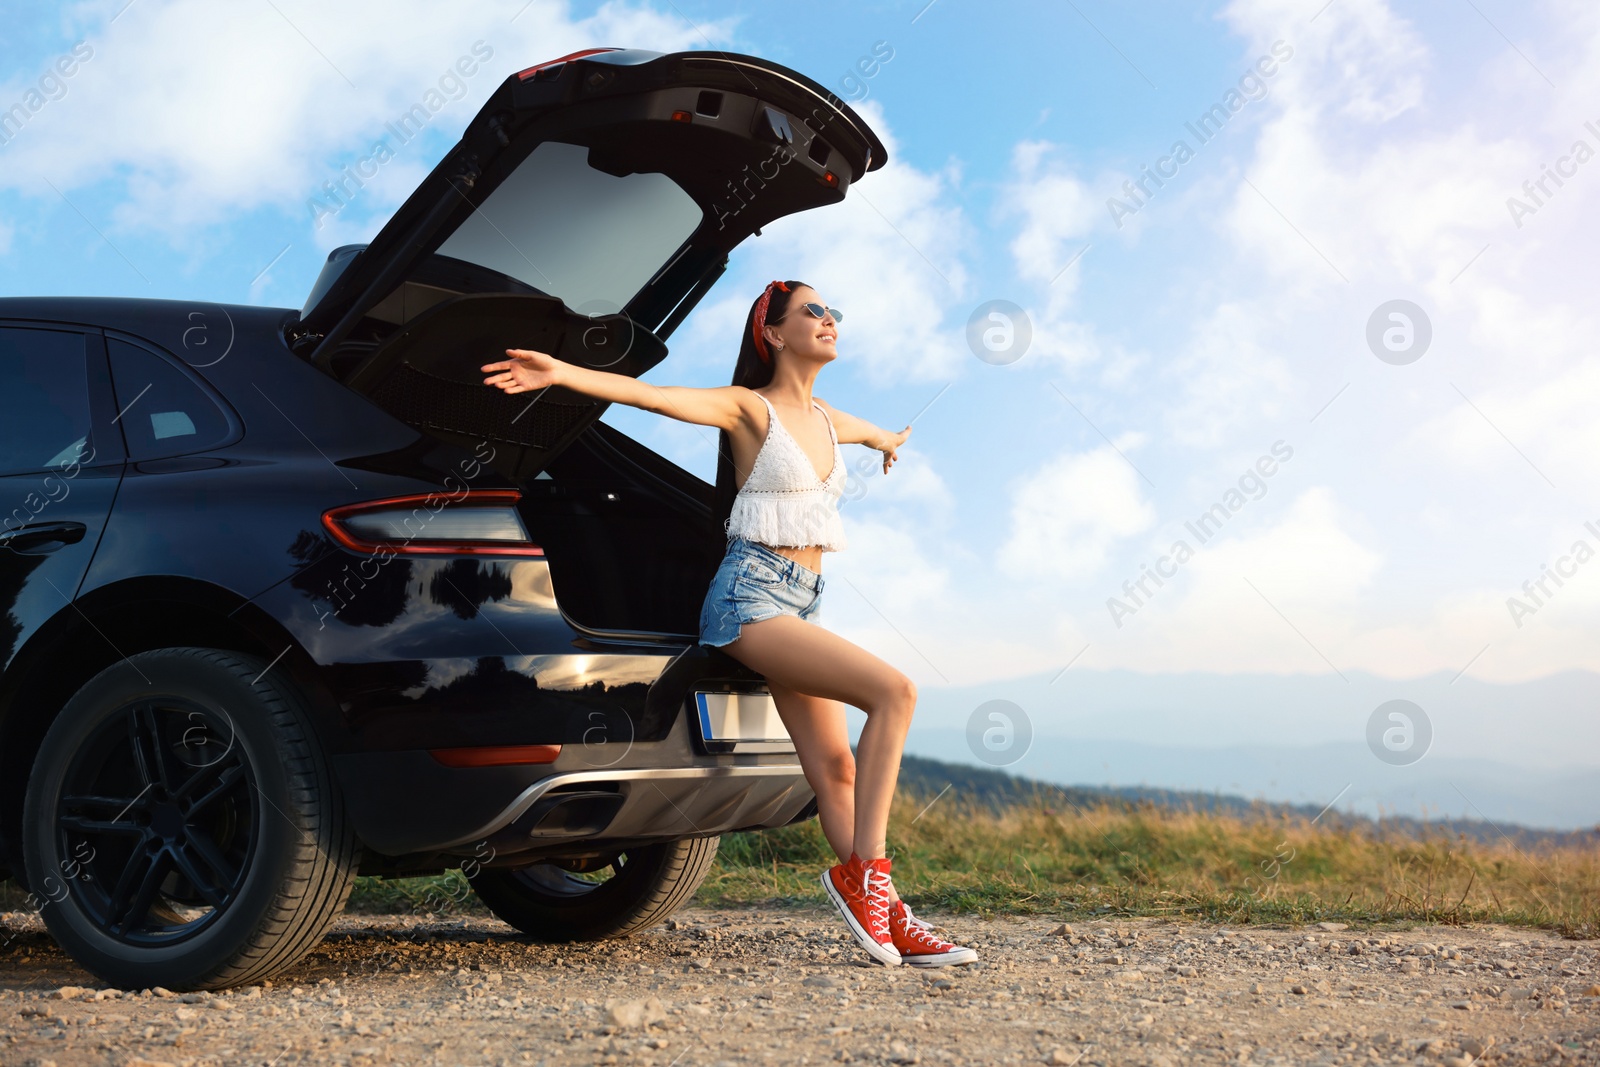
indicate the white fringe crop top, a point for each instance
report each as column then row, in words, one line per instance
column 782, row 503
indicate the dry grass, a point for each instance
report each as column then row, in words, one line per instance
column 1080, row 863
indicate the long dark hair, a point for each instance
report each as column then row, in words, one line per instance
column 752, row 372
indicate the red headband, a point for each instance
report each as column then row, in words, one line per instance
column 760, row 320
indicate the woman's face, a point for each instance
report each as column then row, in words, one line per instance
column 801, row 333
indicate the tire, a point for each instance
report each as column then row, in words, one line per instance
column 550, row 903
column 182, row 827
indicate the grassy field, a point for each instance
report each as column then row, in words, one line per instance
column 1141, row 860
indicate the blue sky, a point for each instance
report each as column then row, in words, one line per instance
column 1223, row 319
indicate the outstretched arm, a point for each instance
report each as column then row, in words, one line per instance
column 855, row 431
column 528, row 370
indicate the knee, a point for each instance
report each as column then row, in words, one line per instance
column 840, row 769
column 905, row 694
column 900, row 698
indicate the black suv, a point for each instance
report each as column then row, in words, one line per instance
column 290, row 595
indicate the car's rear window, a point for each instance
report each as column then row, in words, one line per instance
column 590, row 238
column 162, row 412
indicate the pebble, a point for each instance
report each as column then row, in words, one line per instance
column 1058, row 1058
column 69, row 992
column 634, row 1014
column 900, row 1052
column 1333, row 928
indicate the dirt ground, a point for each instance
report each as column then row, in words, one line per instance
column 736, row 986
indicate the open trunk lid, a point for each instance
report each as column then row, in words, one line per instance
column 588, row 207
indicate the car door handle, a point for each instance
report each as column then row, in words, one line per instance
column 45, row 533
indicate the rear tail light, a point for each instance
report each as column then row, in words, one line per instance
column 682, row 116
column 478, row 522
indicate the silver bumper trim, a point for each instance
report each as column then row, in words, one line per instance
column 528, row 796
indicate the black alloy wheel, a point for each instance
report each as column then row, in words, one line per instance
column 182, row 827
column 590, row 900
column 159, row 818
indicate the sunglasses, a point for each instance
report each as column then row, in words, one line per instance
column 819, row 310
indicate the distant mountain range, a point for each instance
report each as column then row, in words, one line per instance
column 1525, row 753
column 998, row 790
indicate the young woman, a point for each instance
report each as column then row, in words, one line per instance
column 779, row 477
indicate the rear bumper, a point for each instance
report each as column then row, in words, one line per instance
column 663, row 803
column 406, row 803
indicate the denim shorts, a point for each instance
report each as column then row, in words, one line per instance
column 755, row 583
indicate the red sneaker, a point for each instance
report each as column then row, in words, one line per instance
column 918, row 946
column 860, row 890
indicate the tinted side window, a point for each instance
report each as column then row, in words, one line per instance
column 163, row 412
column 44, row 400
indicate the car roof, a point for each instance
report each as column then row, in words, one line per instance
column 169, row 323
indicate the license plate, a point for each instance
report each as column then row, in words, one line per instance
column 741, row 722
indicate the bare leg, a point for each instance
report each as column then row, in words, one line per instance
column 803, row 657
column 822, row 741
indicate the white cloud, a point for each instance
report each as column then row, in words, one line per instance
column 1068, row 514
column 1307, row 566
column 912, row 483
column 201, row 110
column 890, row 256
column 1227, row 378
column 1363, row 61
column 1057, row 211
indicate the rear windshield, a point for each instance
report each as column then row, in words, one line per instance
column 577, row 233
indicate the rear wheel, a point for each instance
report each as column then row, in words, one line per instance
column 181, row 826
column 588, row 900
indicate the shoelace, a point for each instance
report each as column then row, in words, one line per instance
column 918, row 931
column 876, row 892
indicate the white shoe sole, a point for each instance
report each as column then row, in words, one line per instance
column 942, row 959
column 884, row 954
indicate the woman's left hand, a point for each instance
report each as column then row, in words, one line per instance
column 892, row 442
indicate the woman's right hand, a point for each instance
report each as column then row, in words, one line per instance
column 525, row 371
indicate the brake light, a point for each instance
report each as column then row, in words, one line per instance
column 682, row 116
column 830, row 179
column 531, row 71
column 481, row 522
column 495, row 755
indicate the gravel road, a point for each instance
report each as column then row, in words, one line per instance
column 736, row 986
